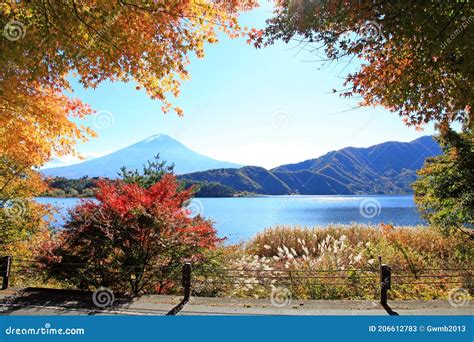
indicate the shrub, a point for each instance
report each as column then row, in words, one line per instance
column 132, row 239
column 444, row 191
column 72, row 192
column 57, row 193
column 87, row 192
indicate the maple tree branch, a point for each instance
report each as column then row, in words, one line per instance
column 450, row 21
column 90, row 27
column 175, row 15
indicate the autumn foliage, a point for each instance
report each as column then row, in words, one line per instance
column 131, row 238
column 444, row 190
column 45, row 44
column 414, row 56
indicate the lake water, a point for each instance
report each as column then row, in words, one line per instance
column 241, row 217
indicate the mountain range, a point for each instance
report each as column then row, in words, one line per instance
column 386, row 168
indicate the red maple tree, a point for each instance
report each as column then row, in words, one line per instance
column 130, row 239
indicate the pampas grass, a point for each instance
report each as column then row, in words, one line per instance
column 297, row 257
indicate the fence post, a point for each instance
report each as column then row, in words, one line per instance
column 5, row 271
column 187, row 280
column 385, row 282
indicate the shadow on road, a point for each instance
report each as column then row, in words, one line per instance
column 174, row 311
column 63, row 300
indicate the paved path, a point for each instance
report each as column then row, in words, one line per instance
column 61, row 302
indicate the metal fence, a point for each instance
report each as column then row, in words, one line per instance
column 379, row 279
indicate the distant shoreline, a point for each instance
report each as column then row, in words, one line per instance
column 259, row 196
column 235, row 196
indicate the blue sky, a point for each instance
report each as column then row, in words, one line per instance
column 262, row 107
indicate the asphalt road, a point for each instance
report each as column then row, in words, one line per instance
column 60, row 302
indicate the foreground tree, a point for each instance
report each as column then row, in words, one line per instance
column 133, row 238
column 21, row 221
column 152, row 173
column 415, row 56
column 148, row 42
column 444, row 191
column 415, row 60
column 46, row 42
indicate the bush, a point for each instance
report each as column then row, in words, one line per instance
column 87, row 192
column 72, row 192
column 444, row 192
column 132, row 239
column 56, row 193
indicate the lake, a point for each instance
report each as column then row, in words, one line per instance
column 239, row 218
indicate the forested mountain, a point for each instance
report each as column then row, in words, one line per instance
column 385, row 168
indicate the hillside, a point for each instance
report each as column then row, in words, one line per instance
column 385, row 168
column 246, row 179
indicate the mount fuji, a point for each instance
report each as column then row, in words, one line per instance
column 136, row 155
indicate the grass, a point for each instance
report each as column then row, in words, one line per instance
column 342, row 262
column 333, row 262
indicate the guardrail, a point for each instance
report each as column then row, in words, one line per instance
column 382, row 279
